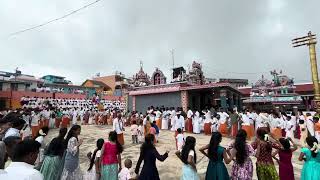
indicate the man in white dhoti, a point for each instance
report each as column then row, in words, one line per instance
column 310, row 125
column 152, row 116
column 81, row 114
column 158, row 114
column 179, row 122
column 74, row 117
column 289, row 128
column 294, row 121
column 188, row 123
column 172, row 117
column 261, row 121
column 215, row 124
column 223, row 116
column 245, row 119
column 117, row 126
column 207, row 115
column 52, row 119
column 165, row 118
column 196, row 123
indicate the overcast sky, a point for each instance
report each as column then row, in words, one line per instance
column 231, row 38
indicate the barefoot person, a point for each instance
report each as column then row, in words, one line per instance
column 118, row 127
column 149, row 154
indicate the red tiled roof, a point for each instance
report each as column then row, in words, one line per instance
column 245, row 91
column 304, row 87
column 165, row 88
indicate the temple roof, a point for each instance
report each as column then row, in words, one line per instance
column 175, row 87
column 299, row 88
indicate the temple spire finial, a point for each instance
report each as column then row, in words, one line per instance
column 141, row 64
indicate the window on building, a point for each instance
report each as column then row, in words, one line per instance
column 157, row 79
column 1, row 86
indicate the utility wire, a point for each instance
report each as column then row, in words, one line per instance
column 53, row 20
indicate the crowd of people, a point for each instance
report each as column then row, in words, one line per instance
column 294, row 125
column 274, row 136
column 40, row 103
column 27, row 155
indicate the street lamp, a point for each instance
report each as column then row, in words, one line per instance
column 310, row 40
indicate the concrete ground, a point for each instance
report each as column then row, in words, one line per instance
column 171, row 167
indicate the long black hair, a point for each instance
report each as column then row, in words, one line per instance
column 71, row 133
column 188, row 146
column 240, row 146
column 213, row 146
column 148, row 144
column 100, row 143
column 57, row 146
column 45, row 130
column 310, row 141
column 261, row 134
column 62, row 132
column 285, row 144
column 113, row 137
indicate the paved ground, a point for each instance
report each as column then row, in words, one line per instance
column 169, row 169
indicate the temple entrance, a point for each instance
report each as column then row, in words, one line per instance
column 224, row 98
column 200, row 99
column 2, row 104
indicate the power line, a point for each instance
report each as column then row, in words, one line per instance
column 53, row 20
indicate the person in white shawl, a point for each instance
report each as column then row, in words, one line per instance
column 261, row 121
column 172, row 117
column 165, row 119
column 215, row 124
column 196, row 121
column 74, row 117
column 310, row 125
column 289, row 128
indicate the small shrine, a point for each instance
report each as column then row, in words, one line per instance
column 158, row 77
column 195, row 75
column 141, row 78
column 279, row 92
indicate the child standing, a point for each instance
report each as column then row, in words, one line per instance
column 285, row 155
column 216, row 168
column 156, row 127
column 43, row 132
column 189, row 158
column 303, row 130
column 134, row 132
column 311, row 167
column 180, row 139
column 153, row 131
column 140, row 132
column 240, row 151
column 263, row 145
column 125, row 172
column 93, row 172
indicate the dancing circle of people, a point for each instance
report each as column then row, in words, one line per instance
column 268, row 137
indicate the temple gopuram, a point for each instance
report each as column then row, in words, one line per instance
column 187, row 89
column 278, row 94
column 141, row 78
